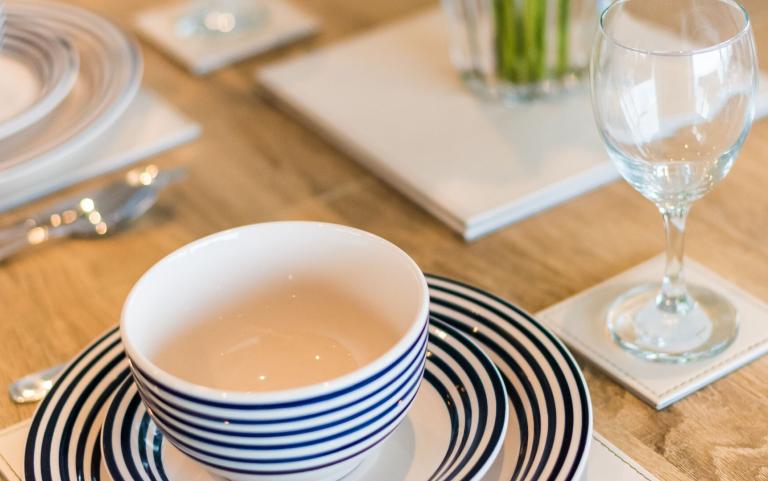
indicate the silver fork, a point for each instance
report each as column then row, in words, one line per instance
column 93, row 214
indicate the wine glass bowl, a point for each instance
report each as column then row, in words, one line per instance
column 673, row 87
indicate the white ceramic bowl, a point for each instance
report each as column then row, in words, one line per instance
column 317, row 432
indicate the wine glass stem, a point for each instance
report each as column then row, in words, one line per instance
column 674, row 297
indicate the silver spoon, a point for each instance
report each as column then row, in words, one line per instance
column 94, row 214
column 35, row 386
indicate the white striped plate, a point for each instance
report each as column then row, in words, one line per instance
column 550, row 420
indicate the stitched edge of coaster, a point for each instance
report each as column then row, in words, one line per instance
column 576, row 340
column 573, row 338
column 717, row 366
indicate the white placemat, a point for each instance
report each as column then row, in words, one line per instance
column 606, row 461
column 149, row 126
column 283, row 24
column 392, row 99
column 12, row 441
column 580, row 322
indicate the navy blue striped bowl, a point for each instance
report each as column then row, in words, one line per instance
column 318, row 432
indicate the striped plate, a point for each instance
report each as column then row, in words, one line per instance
column 453, row 432
column 63, row 441
column 547, row 435
column 550, row 422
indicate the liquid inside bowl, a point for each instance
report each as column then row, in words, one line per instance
column 271, row 308
column 288, row 334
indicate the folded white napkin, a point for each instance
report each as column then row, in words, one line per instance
column 149, row 126
column 477, row 166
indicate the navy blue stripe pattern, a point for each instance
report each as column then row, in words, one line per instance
column 153, row 383
column 485, row 317
column 39, row 464
column 165, row 406
column 490, row 412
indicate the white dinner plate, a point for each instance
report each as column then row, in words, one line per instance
column 453, row 431
column 108, row 78
column 39, row 70
column 548, row 396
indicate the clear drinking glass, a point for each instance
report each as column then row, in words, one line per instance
column 514, row 50
column 673, row 87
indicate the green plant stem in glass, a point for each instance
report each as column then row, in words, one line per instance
column 521, row 40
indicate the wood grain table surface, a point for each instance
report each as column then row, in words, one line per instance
column 254, row 163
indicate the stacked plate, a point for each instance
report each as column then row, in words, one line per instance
column 67, row 75
column 502, row 400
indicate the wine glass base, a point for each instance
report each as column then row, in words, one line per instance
column 644, row 330
column 212, row 18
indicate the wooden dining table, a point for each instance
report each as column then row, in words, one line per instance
column 256, row 163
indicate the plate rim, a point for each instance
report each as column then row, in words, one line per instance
column 89, row 127
column 53, row 93
column 577, row 468
column 106, row 339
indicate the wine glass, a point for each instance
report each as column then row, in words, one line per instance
column 673, row 87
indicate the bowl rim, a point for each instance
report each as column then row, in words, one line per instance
column 262, row 399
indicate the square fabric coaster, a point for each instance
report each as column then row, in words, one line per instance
column 580, row 322
column 202, row 54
